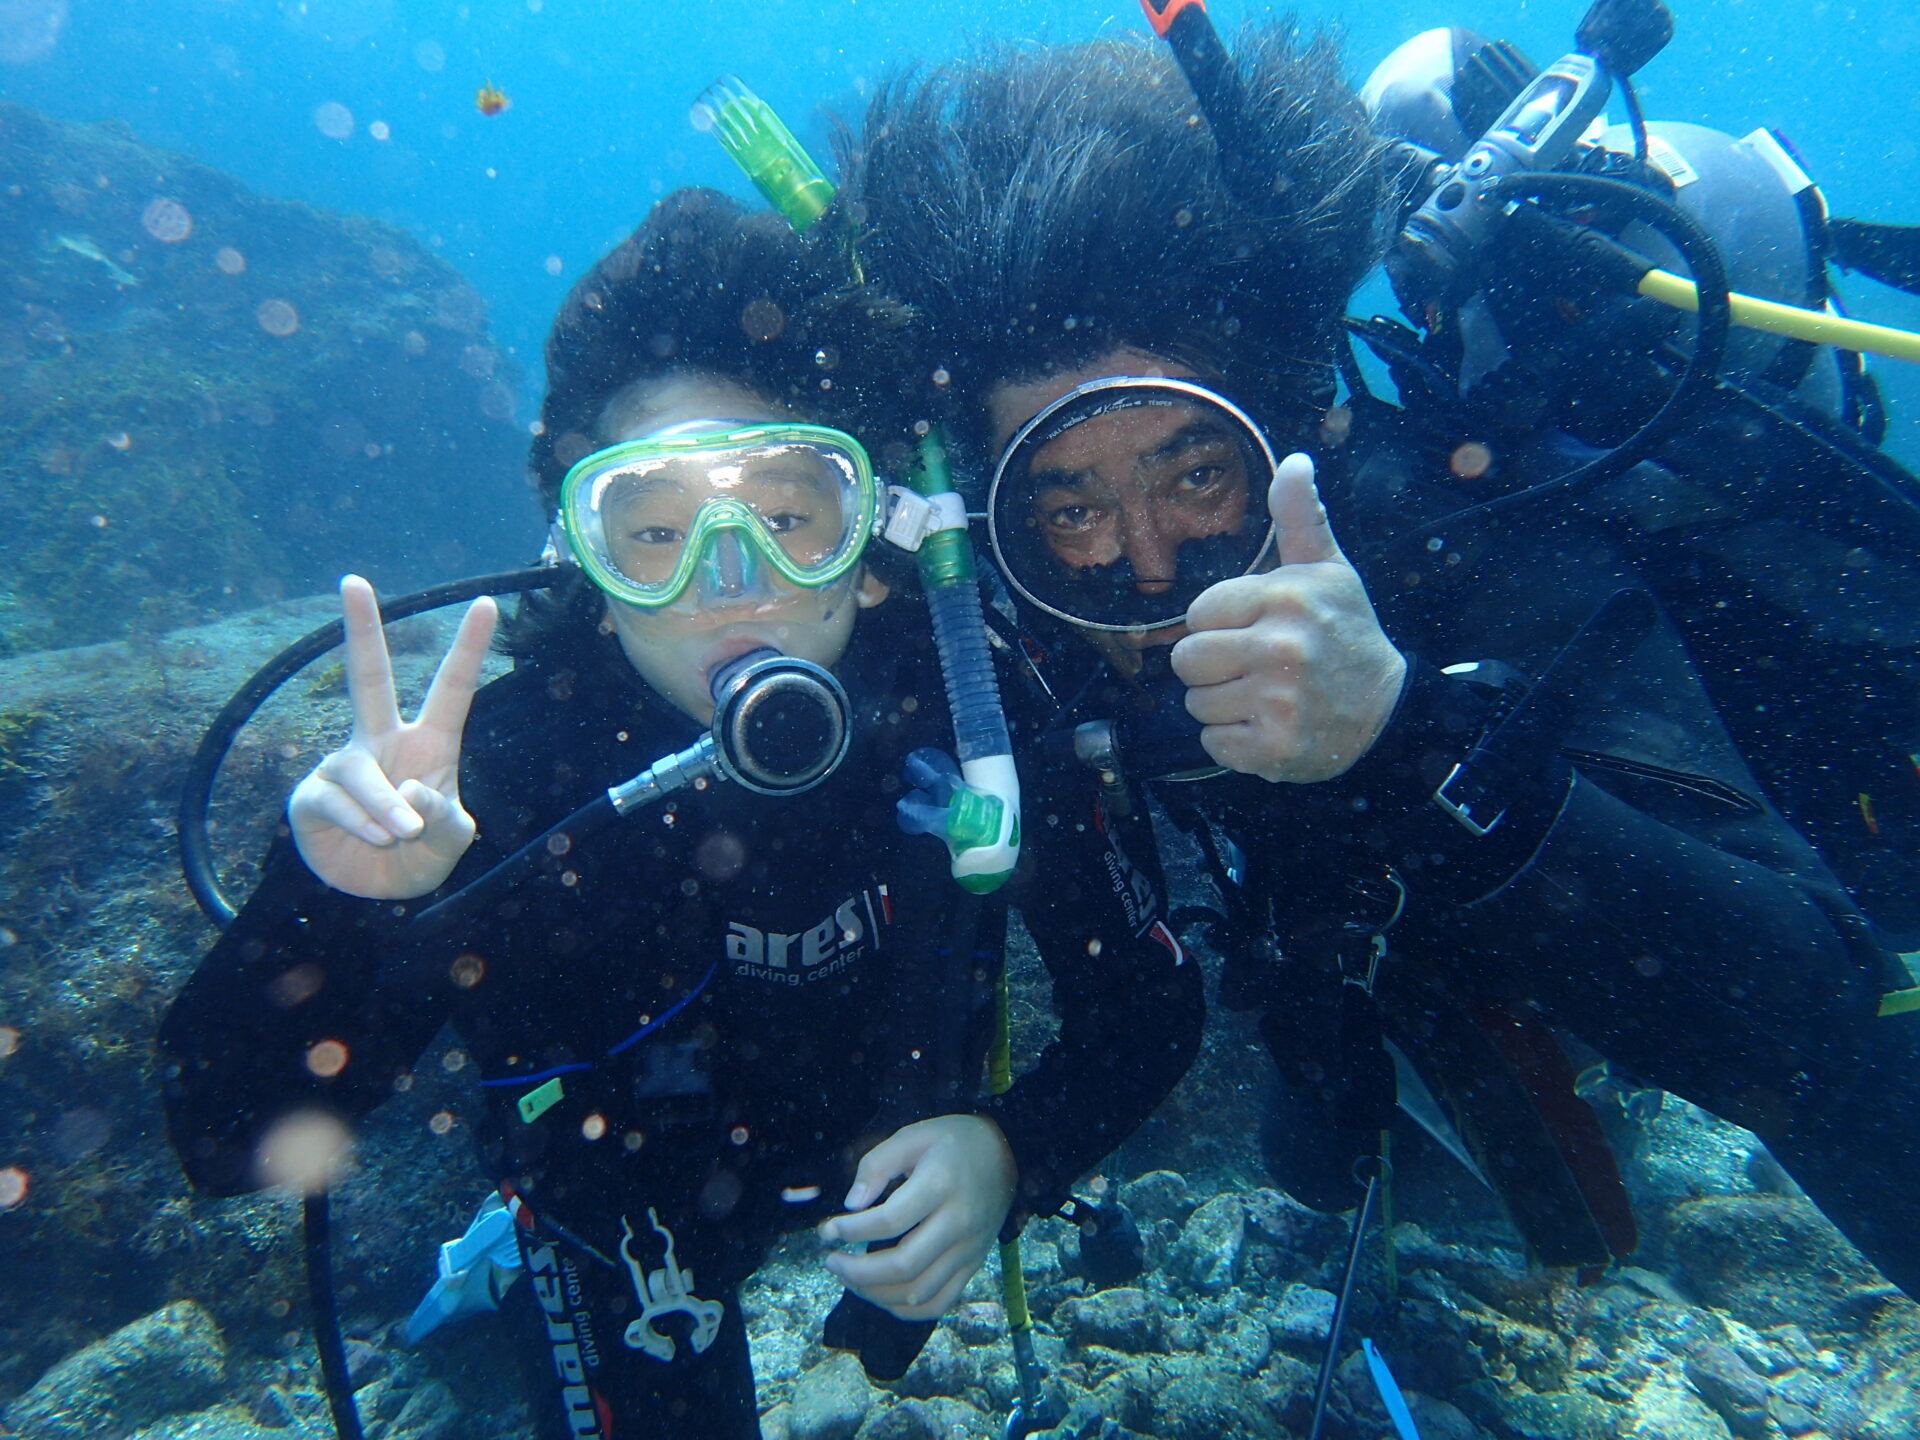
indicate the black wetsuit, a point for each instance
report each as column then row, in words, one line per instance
column 1687, row 934
column 737, row 995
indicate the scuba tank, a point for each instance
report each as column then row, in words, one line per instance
column 1545, row 346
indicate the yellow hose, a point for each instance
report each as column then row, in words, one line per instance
column 1792, row 321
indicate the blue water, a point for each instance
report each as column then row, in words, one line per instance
column 600, row 91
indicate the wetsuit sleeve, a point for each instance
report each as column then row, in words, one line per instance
column 302, row 964
column 1130, row 1003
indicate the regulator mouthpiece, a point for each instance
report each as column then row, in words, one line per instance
column 765, row 149
column 780, row 725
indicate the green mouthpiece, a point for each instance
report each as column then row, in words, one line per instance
column 765, row 149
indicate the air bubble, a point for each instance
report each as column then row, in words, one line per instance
column 326, row 1058
column 277, row 318
column 333, row 120
column 166, row 221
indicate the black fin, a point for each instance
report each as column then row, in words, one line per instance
column 1486, row 83
column 1623, row 35
column 1887, row 253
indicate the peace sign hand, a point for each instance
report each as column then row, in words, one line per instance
column 381, row 816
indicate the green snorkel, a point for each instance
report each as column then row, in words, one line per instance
column 975, row 808
column 765, row 150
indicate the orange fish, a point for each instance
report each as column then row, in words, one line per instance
column 490, row 101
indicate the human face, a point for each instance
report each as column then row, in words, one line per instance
column 1124, row 486
column 676, row 648
column 1136, row 485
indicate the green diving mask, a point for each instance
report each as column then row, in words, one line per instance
column 716, row 507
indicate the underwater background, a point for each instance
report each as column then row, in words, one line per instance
column 321, row 352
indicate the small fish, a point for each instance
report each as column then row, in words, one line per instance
column 83, row 247
column 489, row 101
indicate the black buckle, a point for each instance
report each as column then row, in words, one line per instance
column 1462, row 810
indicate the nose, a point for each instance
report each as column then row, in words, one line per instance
column 729, row 570
column 1152, row 548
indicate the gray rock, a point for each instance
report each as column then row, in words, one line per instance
column 273, row 1409
column 1665, row 1410
column 1207, row 1255
column 1878, row 1398
column 1731, row 1387
column 1207, row 1404
column 431, row 1413
column 364, row 1362
column 1157, row 1195
column 929, row 1420
column 1126, row 1319
column 1688, row 1154
column 1771, row 1260
column 1437, row 1420
column 1559, row 1415
column 944, row 1366
column 1243, row 1346
column 1285, row 1223
column 830, row 1401
column 1793, row 1419
column 979, row 1323
column 1303, row 1317
column 775, row 1424
column 224, row 1422
column 161, row 1364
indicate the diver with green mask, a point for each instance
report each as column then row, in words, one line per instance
column 654, row 878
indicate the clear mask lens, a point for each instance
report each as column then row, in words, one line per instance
column 719, row 511
column 1119, row 503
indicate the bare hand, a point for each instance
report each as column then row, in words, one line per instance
column 381, row 816
column 1289, row 670
column 959, row 1176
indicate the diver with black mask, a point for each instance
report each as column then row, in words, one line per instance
column 1424, row 854
column 654, row 879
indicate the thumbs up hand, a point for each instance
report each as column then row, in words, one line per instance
column 1289, row 670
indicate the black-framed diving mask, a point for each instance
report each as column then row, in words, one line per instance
column 713, row 510
column 1117, row 504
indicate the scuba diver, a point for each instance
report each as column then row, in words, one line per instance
column 751, row 1006
column 1457, row 776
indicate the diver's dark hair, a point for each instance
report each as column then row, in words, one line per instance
column 1043, row 207
column 705, row 286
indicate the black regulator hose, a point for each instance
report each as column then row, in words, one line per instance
column 1703, row 364
column 335, row 1373
column 196, row 864
column 196, row 793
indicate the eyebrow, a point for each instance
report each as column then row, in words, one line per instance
column 1194, row 432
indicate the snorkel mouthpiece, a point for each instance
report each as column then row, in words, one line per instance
column 763, row 147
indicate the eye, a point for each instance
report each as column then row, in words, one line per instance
column 784, row 522
column 656, row 535
column 1201, row 477
column 1069, row 517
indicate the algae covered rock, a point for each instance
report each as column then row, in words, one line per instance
column 1770, row 1260
column 1126, row 1319
column 1208, row 1253
column 830, row 1400
column 172, row 1360
column 209, row 398
column 929, row 1420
